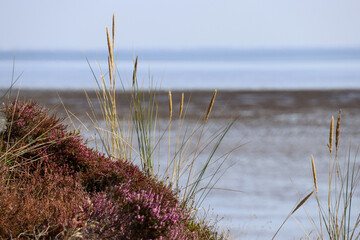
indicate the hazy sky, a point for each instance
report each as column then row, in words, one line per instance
column 80, row 24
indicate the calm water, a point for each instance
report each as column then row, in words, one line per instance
column 196, row 69
column 279, row 130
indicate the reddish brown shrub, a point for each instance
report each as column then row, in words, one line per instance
column 32, row 125
column 41, row 204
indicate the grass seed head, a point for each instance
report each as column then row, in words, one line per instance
column 302, row 202
column 170, row 105
column 181, row 105
column 110, row 48
column 338, row 130
column 113, row 31
column 135, row 70
column 314, row 173
column 210, row 105
column 331, row 134
column 110, row 71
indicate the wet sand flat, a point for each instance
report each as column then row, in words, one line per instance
column 243, row 104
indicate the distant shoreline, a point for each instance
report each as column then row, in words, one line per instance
column 193, row 54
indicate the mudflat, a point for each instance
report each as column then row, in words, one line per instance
column 229, row 104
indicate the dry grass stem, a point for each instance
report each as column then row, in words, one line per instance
column 169, row 129
column 314, row 173
column 170, row 106
column 110, row 72
column 331, row 134
column 211, row 105
column 113, row 31
column 302, row 202
column 110, row 48
column 293, row 211
column 181, row 105
column 135, row 70
column 338, row 130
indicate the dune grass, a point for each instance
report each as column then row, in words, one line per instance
column 337, row 218
column 138, row 135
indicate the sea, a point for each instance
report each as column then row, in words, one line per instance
column 225, row 69
column 282, row 100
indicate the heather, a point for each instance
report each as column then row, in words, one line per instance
column 53, row 186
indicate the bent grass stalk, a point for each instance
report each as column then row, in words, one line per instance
column 314, row 173
column 189, row 193
column 317, row 196
column 176, row 162
column 293, row 211
column 169, row 140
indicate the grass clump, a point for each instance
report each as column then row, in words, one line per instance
column 138, row 134
column 337, row 217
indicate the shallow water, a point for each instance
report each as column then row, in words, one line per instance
column 278, row 132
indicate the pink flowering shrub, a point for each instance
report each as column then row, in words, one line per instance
column 106, row 220
column 122, row 214
column 28, row 121
column 149, row 211
column 73, row 189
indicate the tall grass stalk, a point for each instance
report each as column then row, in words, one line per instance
column 138, row 134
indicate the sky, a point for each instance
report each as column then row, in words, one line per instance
column 169, row 24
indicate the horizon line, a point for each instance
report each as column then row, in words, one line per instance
column 178, row 49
